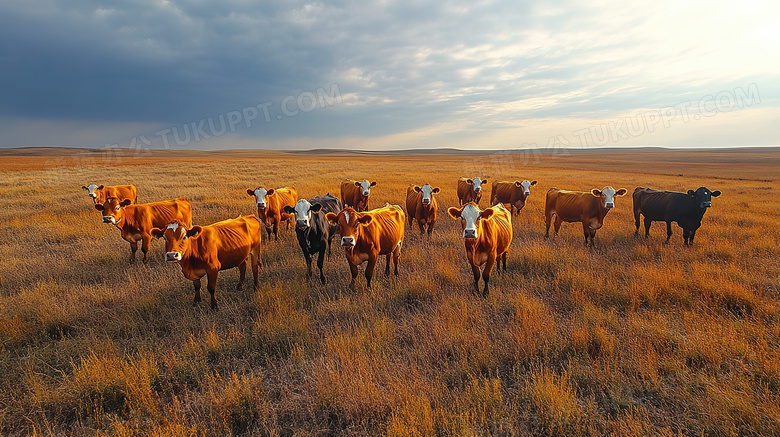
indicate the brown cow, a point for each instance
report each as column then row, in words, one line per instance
column 421, row 206
column 369, row 234
column 587, row 207
column 270, row 206
column 205, row 250
column 99, row 193
column 487, row 234
column 355, row 194
column 512, row 193
column 470, row 190
column 137, row 221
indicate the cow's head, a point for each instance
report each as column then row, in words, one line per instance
column 93, row 191
column 427, row 193
column 703, row 196
column 470, row 217
column 303, row 213
column 477, row 183
column 349, row 222
column 526, row 186
column 365, row 187
column 608, row 193
column 113, row 210
column 177, row 238
column 261, row 196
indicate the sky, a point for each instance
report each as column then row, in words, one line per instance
column 374, row 75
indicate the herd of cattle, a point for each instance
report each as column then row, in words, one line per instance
column 367, row 234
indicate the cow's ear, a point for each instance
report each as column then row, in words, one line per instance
column 100, row 187
column 331, row 217
column 484, row 181
column 486, row 214
column 691, row 192
column 454, row 212
column 365, row 219
column 84, row 187
column 99, row 207
column 518, row 184
column 125, row 202
column 316, row 208
column 435, row 190
column 289, row 209
column 194, row 231
column 469, row 181
column 157, row 232
column 417, row 188
column 270, row 192
column 357, row 183
column 595, row 192
column 533, row 183
column 373, row 183
column 621, row 192
column 250, row 191
column 716, row 193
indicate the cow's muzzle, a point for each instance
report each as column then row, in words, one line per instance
column 173, row 256
column 348, row 241
column 92, row 195
column 426, row 201
column 609, row 205
column 261, row 206
column 477, row 189
column 302, row 224
column 527, row 193
column 469, row 233
column 108, row 219
column 706, row 204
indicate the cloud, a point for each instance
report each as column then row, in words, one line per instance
column 466, row 69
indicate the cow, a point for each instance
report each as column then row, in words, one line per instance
column 270, row 206
column 589, row 208
column 136, row 222
column 205, row 250
column 99, row 193
column 313, row 230
column 687, row 209
column 487, row 235
column 355, row 194
column 470, row 190
column 512, row 193
column 366, row 235
column 422, row 207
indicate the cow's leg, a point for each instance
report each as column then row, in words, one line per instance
column 353, row 268
column 503, row 258
column 586, row 231
column 268, row 231
column 636, row 221
column 387, row 263
column 212, row 286
column 422, row 227
column 320, row 261
column 396, row 258
column 475, row 271
column 557, row 224
column 241, row 276
column 276, row 230
column 430, row 228
column 648, row 223
column 686, row 235
column 547, row 221
column 668, row 231
column 133, row 250
column 255, row 268
column 372, row 259
column 196, row 285
column 330, row 241
column 691, row 235
column 308, row 264
column 592, row 236
column 145, row 240
column 486, row 273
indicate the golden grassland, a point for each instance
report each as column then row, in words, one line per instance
column 629, row 338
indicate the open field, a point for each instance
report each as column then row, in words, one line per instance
column 629, row 338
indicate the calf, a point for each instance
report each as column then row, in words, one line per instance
column 99, row 193
column 355, row 194
column 487, row 235
column 270, row 206
column 589, row 208
column 137, row 221
column 421, row 206
column 367, row 235
column 687, row 209
column 205, row 250
column 313, row 230
column 513, row 193
column 470, row 190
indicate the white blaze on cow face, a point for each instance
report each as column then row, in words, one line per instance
column 477, row 182
column 91, row 190
column 527, row 187
column 173, row 241
column 470, row 215
column 426, row 192
column 365, row 187
column 260, row 197
column 303, row 214
column 608, row 193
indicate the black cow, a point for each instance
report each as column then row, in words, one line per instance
column 312, row 228
column 687, row 209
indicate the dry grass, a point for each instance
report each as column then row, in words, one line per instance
column 630, row 338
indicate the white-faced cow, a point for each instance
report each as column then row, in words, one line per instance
column 99, row 193
column 687, row 209
column 355, row 194
column 313, row 230
column 270, row 206
column 586, row 207
column 487, row 235
column 422, row 207
column 512, row 193
column 470, row 190
column 205, row 250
